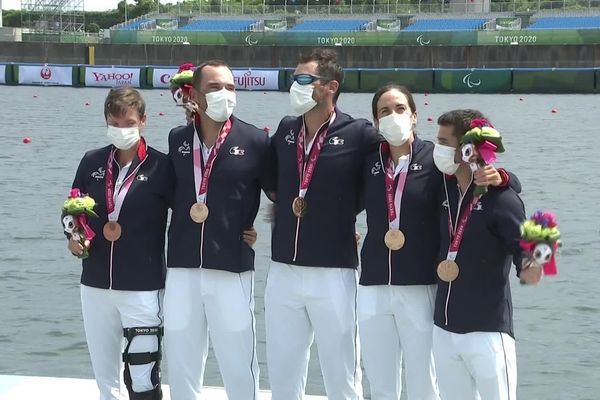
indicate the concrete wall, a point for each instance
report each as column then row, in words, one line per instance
column 566, row 56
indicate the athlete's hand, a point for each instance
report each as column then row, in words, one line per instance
column 531, row 273
column 76, row 248
column 250, row 236
column 487, row 175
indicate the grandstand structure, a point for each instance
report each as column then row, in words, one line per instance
column 364, row 23
column 49, row 19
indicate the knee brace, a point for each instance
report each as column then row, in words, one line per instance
column 141, row 359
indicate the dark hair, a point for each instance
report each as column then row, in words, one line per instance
column 197, row 79
column 391, row 86
column 120, row 100
column 327, row 66
column 459, row 120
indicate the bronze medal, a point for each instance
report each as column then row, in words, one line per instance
column 199, row 212
column 112, row 231
column 447, row 270
column 394, row 239
column 299, row 207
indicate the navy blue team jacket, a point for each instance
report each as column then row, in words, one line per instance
column 413, row 264
column 326, row 233
column 480, row 298
column 138, row 261
column 240, row 170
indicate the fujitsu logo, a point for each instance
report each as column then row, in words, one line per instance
column 247, row 80
column 46, row 73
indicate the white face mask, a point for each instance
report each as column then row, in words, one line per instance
column 396, row 128
column 301, row 98
column 443, row 158
column 123, row 138
column 220, row 104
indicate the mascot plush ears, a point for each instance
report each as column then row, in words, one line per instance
column 181, row 84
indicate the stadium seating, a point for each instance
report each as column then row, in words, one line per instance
column 329, row 25
column 424, row 25
column 566, row 23
column 218, row 25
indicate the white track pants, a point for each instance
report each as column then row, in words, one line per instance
column 199, row 301
column 302, row 303
column 396, row 324
column 476, row 365
column 105, row 314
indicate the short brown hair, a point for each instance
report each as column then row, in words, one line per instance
column 327, row 66
column 402, row 89
column 459, row 120
column 120, row 100
column 197, row 79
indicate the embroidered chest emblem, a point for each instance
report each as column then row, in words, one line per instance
column 290, row 138
column 336, row 141
column 445, row 203
column 98, row 174
column 376, row 169
column 416, row 167
column 236, row 151
column 142, row 178
column 184, row 149
column 478, row 206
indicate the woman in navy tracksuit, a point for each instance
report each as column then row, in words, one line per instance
column 123, row 277
column 396, row 295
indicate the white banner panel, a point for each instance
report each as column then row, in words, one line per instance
column 112, row 76
column 161, row 77
column 46, row 75
column 256, row 79
column 2, row 74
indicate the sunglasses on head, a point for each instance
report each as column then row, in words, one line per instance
column 307, row 79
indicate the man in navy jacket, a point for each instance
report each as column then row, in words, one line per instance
column 312, row 282
column 473, row 340
column 221, row 165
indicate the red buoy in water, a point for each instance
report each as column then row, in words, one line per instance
column 426, row 103
column 554, row 111
column 35, row 96
column 162, row 94
column 426, row 93
column 429, row 119
column 520, row 99
column 161, row 113
column 26, row 140
column 87, row 103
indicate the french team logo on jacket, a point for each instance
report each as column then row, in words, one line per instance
column 336, row 141
column 290, row 138
column 478, row 206
column 184, row 149
column 376, row 169
column 445, row 204
column 236, row 151
column 98, row 174
column 416, row 167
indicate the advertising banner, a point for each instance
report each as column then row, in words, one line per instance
column 46, row 75
column 161, row 77
column 508, row 23
column 256, row 79
column 576, row 80
column 112, row 76
column 473, row 80
column 416, row 80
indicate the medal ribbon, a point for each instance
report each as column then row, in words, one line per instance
column 114, row 203
column 394, row 199
column 306, row 171
column 457, row 232
column 202, row 172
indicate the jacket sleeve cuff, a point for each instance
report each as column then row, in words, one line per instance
column 505, row 177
